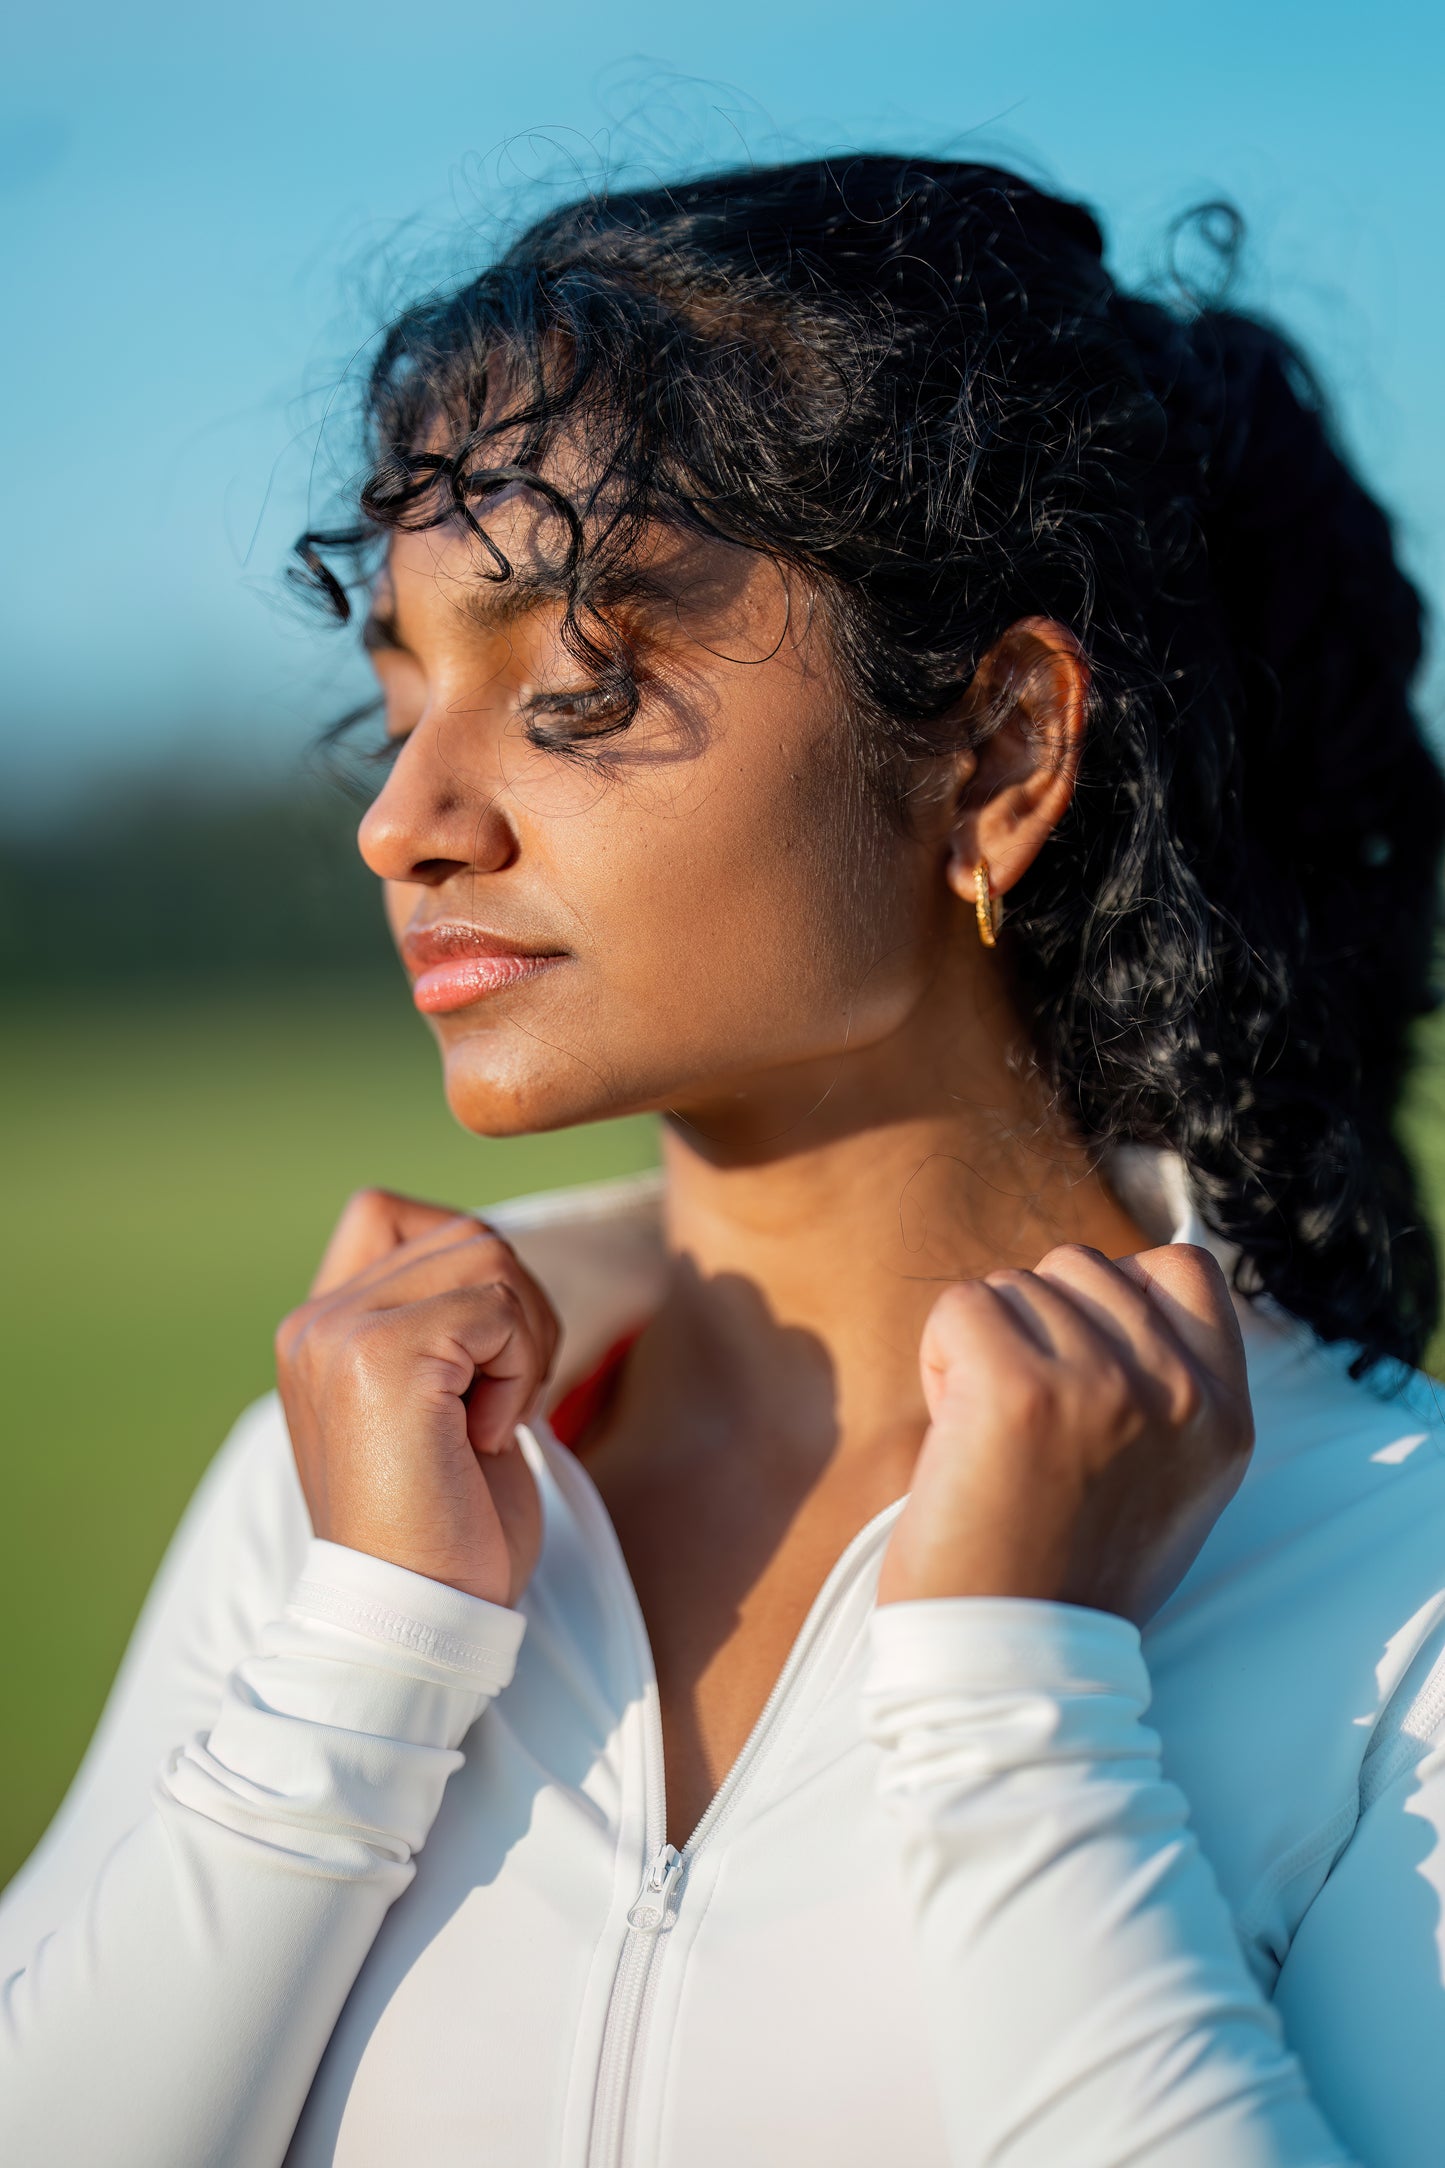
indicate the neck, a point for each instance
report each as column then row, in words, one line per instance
column 811, row 1230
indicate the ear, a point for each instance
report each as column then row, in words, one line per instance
column 1029, row 695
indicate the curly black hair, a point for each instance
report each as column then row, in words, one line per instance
column 916, row 382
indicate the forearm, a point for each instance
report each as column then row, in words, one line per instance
column 180, row 2017
column 1088, row 1996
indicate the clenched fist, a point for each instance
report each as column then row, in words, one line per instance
column 403, row 1377
column 1089, row 1422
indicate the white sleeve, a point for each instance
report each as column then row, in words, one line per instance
column 178, row 2014
column 225, row 1576
column 1088, row 1998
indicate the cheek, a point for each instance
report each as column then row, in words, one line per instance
column 756, row 924
column 727, row 919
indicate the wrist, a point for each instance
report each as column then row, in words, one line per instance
column 924, row 1564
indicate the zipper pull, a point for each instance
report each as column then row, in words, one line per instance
column 649, row 1913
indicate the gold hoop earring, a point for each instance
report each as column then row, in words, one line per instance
column 988, row 906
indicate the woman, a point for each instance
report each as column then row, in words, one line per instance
column 936, row 728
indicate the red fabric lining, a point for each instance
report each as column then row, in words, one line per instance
column 580, row 1407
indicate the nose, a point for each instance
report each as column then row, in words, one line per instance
column 426, row 825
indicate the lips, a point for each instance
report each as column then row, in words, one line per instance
column 454, row 964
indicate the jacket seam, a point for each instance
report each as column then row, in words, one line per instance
column 1413, row 1738
column 452, row 1652
column 1327, row 1840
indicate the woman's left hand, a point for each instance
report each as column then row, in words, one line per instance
column 1089, row 1422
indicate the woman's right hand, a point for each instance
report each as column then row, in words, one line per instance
column 404, row 1375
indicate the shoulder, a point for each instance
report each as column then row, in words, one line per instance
column 240, row 1542
column 1343, row 1506
column 1331, row 1559
column 225, row 1575
column 1311, row 1623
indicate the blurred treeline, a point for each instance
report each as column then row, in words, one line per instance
column 208, row 1044
column 166, row 883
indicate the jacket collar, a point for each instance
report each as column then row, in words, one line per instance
column 598, row 1249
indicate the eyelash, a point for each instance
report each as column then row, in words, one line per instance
column 599, row 710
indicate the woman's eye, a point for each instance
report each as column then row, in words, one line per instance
column 577, row 711
column 376, row 747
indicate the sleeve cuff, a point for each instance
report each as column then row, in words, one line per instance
column 467, row 1640
column 1000, row 1644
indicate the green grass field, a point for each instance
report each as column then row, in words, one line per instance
column 174, row 1167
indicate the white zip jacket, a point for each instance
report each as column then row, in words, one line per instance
column 955, row 1904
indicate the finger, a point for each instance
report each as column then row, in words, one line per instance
column 437, row 1241
column 1056, row 1324
column 546, row 1330
column 461, row 1253
column 1136, row 1327
column 1188, row 1288
column 473, row 1345
column 458, row 1254
column 969, row 1329
column 374, row 1222
column 508, row 1362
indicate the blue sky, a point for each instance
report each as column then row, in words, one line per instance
column 203, row 211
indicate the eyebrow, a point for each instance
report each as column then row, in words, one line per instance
column 493, row 605
column 490, row 605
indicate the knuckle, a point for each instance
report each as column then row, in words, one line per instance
column 1239, row 1427
column 489, row 1305
column 1186, row 1397
column 1113, row 1400
column 295, row 1328
column 1066, row 1255
column 1029, row 1399
column 954, row 1318
column 1182, row 1264
column 948, row 1309
column 502, row 1295
column 361, row 1340
column 959, row 1301
column 480, row 1235
column 365, row 1204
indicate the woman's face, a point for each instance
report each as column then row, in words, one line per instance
column 703, row 914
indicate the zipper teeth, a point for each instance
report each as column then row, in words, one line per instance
column 612, row 2117
column 619, row 2045
column 625, row 2002
column 630, row 1999
column 800, row 1660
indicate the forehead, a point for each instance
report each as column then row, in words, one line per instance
column 518, row 560
column 656, row 576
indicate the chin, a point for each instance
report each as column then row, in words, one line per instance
column 507, row 1098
